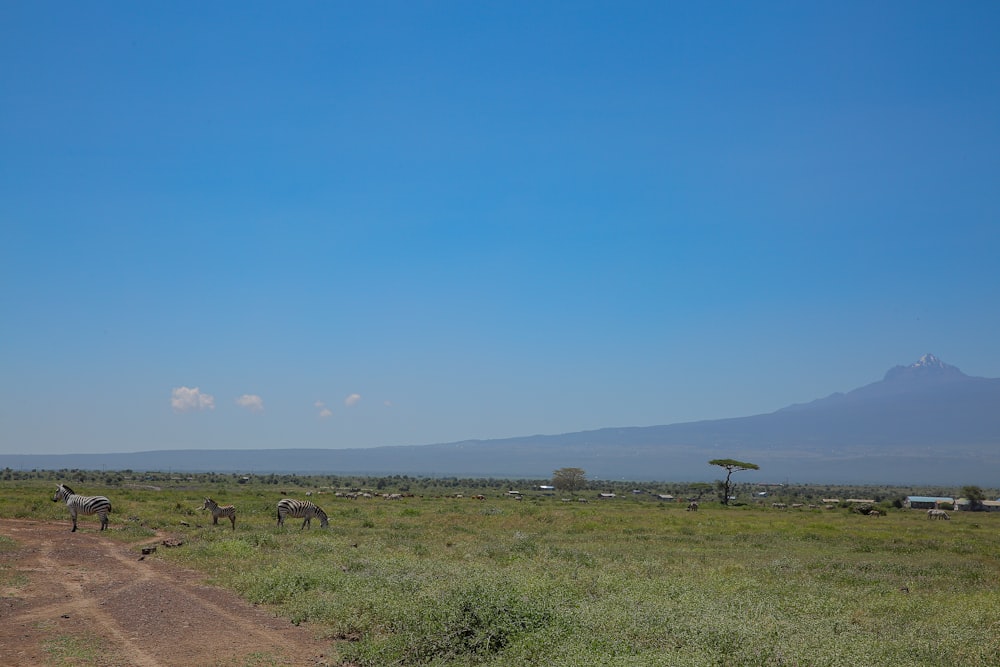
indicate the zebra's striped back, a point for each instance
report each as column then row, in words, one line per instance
column 227, row 511
column 85, row 505
column 300, row 509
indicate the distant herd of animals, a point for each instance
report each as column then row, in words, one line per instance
column 287, row 507
column 101, row 506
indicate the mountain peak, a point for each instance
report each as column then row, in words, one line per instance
column 928, row 367
column 929, row 360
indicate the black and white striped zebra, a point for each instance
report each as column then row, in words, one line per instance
column 98, row 505
column 300, row 509
column 218, row 510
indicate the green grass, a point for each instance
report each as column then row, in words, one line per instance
column 254, row 660
column 436, row 580
column 72, row 650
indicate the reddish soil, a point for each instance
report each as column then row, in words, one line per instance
column 85, row 590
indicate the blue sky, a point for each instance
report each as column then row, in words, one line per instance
column 347, row 225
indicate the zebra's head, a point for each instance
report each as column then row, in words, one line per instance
column 62, row 492
column 323, row 521
column 207, row 504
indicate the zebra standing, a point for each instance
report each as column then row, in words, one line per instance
column 300, row 509
column 98, row 505
column 227, row 511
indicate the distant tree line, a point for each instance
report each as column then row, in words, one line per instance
column 744, row 492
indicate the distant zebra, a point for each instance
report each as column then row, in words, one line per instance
column 300, row 509
column 220, row 510
column 98, row 505
column 938, row 514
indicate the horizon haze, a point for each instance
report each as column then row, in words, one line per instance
column 925, row 423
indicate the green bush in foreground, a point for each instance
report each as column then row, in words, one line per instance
column 473, row 623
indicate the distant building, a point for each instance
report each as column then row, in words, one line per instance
column 926, row 502
column 965, row 505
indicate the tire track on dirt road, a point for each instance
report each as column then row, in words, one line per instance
column 146, row 613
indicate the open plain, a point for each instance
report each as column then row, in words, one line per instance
column 430, row 575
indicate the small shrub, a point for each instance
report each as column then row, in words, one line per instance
column 276, row 586
column 469, row 625
column 7, row 544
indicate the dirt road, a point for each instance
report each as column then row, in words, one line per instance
column 83, row 599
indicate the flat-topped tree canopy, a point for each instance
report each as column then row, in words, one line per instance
column 731, row 466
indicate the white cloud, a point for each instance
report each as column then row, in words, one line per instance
column 352, row 400
column 319, row 404
column 185, row 399
column 325, row 413
column 251, row 402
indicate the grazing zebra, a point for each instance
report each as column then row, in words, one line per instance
column 300, row 509
column 692, row 506
column 938, row 514
column 220, row 510
column 83, row 505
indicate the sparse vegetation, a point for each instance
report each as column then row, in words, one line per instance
column 70, row 650
column 438, row 579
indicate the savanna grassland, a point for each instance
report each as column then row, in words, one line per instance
column 434, row 579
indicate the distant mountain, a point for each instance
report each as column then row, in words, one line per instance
column 929, row 373
column 926, row 423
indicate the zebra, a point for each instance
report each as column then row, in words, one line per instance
column 938, row 514
column 220, row 510
column 98, row 505
column 301, row 509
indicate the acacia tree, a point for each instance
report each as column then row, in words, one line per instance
column 569, row 479
column 975, row 495
column 731, row 466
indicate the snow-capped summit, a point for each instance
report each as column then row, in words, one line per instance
column 928, row 367
column 927, row 373
column 929, row 360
